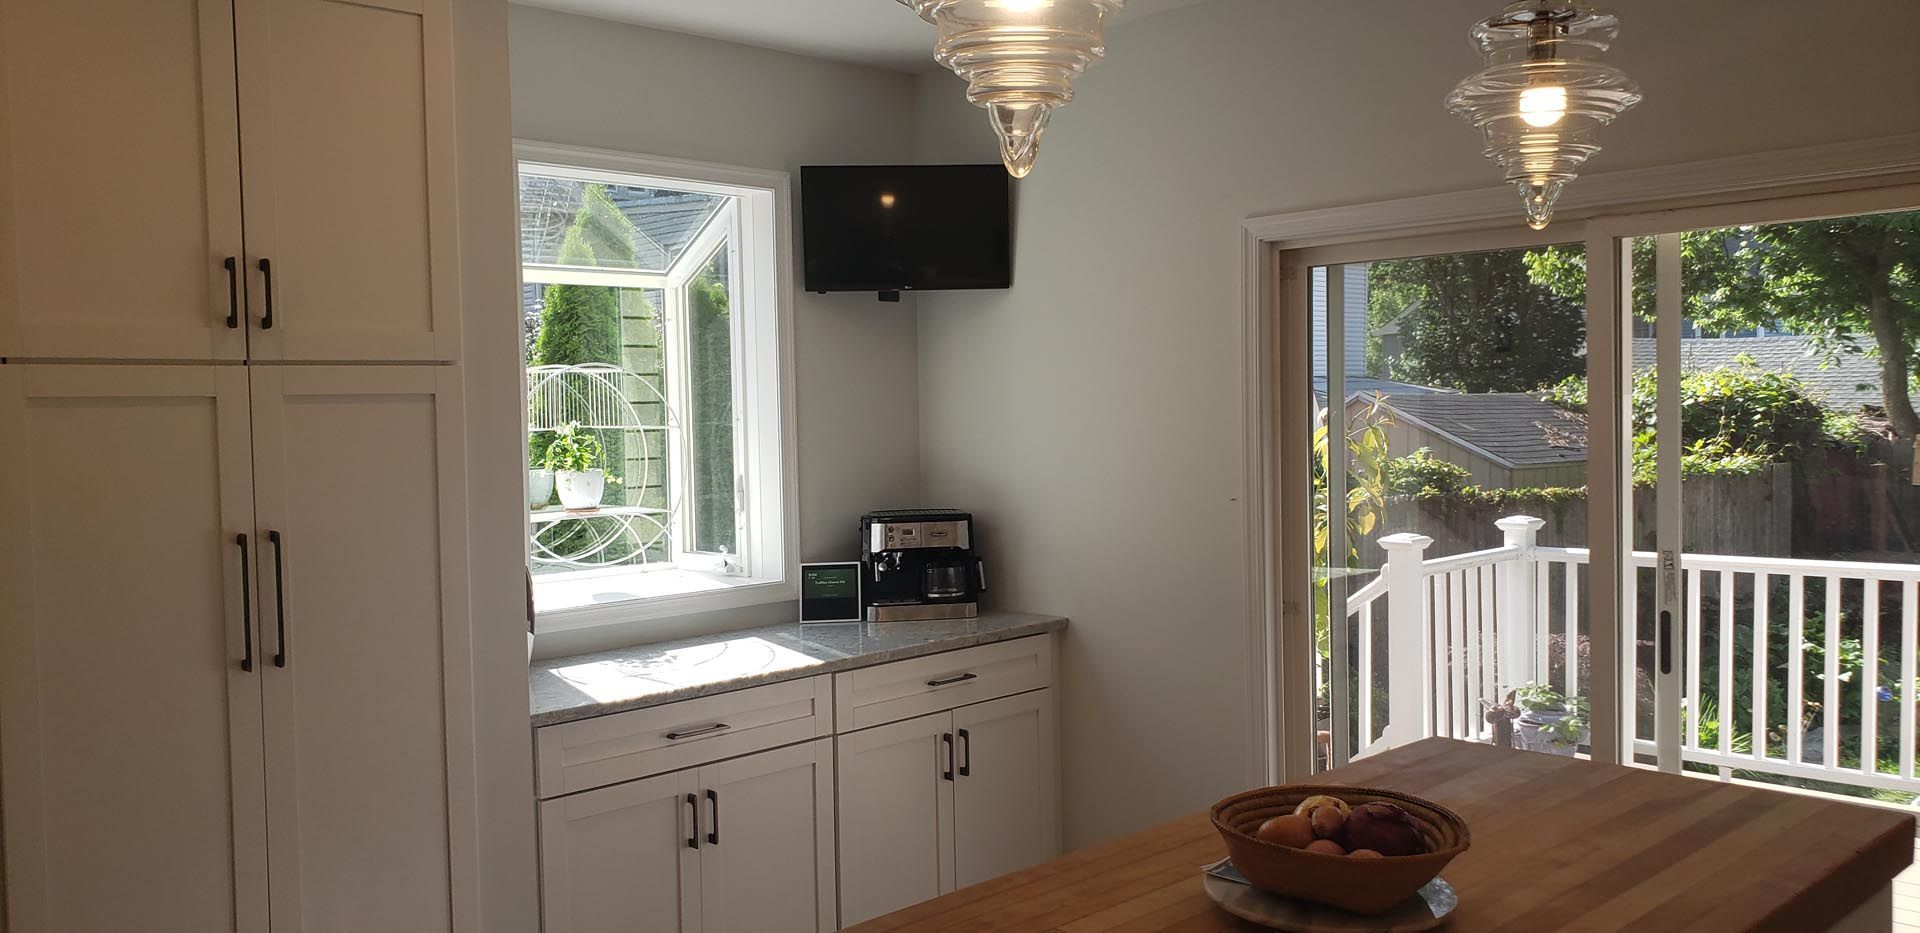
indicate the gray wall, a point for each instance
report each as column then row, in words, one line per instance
column 1092, row 414
column 589, row 82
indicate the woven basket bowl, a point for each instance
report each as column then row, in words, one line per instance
column 1363, row 886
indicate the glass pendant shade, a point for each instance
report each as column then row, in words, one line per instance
column 1544, row 95
column 1019, row 58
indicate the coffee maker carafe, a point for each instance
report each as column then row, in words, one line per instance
column 919, row 564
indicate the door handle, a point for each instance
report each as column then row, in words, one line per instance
column 955, row 679
column 233, row 293
column 946, row 738
column 246, row 600
column 266, row 280
column 279, row 603
column 713, row 828
column 693, row 822
column 966, row 754
column 1666, row 641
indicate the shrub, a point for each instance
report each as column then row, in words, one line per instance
column 1421, row 473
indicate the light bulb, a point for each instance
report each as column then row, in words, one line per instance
column 1543, row 106
column 1020, row 6
column 886, row 199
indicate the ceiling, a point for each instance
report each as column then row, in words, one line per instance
column 870, row 32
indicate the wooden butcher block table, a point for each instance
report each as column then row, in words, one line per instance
column 1558, row 844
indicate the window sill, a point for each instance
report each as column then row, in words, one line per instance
column 594, row 598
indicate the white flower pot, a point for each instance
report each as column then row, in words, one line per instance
column 539, row 488
column 580, row 489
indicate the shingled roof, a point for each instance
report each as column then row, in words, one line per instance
column 1514, row 429
column 1851, row 379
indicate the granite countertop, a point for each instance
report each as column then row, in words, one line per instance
column 588, row 685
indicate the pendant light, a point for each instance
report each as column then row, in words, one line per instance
column 1019, row 58
column 1544, row 94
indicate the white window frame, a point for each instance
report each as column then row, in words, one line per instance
column 755, row 228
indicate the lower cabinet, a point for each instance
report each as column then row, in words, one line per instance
column 938, row 802
column 740, row 846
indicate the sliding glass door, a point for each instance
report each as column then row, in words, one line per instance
column 1774, row 513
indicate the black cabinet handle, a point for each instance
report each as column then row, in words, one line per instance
column 946, row 738
column 693, row 822
column 966, row 757
column 703, row 730
column 266, row 278
column 279, row 603
column 713, row 828
column 233, row 292
column 246, row 600
column 955, row 679
column 1666, row 641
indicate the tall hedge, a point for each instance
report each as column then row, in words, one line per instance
column 710, row 352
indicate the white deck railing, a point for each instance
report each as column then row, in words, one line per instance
column 1464, row 628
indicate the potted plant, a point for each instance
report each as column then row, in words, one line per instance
column 539, row 486
column 574, row 458
column 1550, row 722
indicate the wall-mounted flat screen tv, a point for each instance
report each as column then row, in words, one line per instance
column 889, row 228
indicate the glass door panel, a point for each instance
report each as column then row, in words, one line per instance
column 1776, row 516
column 1449, row 493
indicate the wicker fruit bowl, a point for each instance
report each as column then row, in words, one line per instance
column 1364, row 886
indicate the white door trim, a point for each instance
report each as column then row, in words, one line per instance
column 1599, row 205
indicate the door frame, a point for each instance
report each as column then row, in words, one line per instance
column 1599, row 209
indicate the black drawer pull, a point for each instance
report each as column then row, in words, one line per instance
column 266, row 279
column 233, row 292
column 713, row 828
column 946, row 738
column 966, row 754
column 246, row 600
column 957, row 678
column 703, row 730
column 693, row 822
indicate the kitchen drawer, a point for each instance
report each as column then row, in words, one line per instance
column 905, row 689
column 591, row 753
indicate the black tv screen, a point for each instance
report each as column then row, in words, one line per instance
column 883, row 228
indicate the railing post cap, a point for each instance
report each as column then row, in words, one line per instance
column 1520, row 523
column 1405, row 540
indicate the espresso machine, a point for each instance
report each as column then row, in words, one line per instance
column 919, row 564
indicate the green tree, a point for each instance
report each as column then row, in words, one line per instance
column 710, row 372
column 1477, row 322
column 1844, row 281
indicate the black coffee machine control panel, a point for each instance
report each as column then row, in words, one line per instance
column 919, row 564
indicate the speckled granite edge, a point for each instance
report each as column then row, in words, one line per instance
column 568, row 689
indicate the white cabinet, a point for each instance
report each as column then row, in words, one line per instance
column 119, row 180
column 130, row 734
column 741, row 846
column 363, row 582
column 232, row 655
column 939, row 802
column 122, row 194
column 346, row 122
column 896, row 816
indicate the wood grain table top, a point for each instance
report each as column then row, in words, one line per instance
column 1558, row 844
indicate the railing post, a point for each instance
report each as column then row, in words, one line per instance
column 1409, row 643
column 1519, row 629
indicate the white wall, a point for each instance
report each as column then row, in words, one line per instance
column 591, row 82
column 1092, row 415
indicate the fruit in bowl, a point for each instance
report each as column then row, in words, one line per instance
column 1363, row 850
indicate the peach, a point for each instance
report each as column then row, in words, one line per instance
column 1325, row 847
column 1292, row 830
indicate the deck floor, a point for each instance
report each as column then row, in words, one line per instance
column 1906, row 897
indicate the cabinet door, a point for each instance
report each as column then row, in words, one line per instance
column 766, row 856
column 346, row 112
column 622, row 859
column 1005, row 791
column 896, row 813
column 129, row 729
column 360, row 495
column 119, row 180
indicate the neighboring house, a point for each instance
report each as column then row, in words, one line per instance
column 1354, row 320
column 1845, row 383
column 1504, row 439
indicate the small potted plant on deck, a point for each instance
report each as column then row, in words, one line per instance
column 1549, row 721
column 573, row 457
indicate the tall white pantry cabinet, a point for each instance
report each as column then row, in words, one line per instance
column 233, row 592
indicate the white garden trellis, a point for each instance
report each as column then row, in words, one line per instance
column 594, row 397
